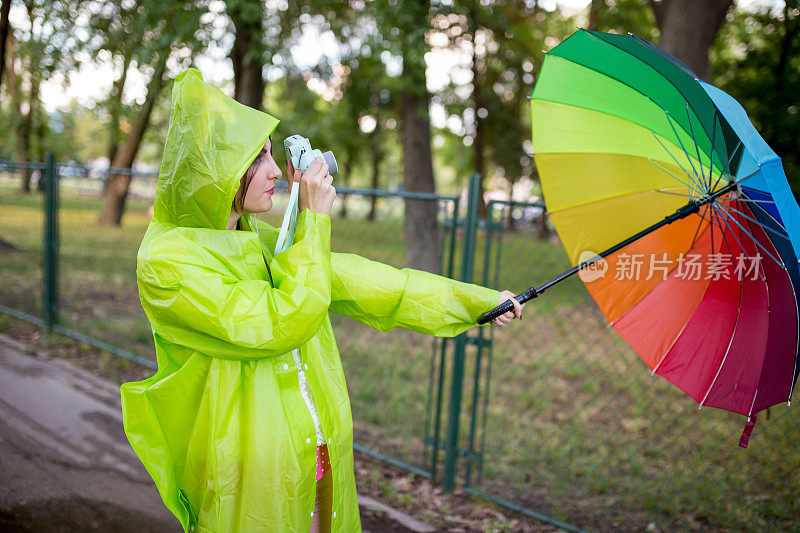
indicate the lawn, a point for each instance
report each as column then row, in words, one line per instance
column 575, row 426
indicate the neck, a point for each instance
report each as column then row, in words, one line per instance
column 233, row 219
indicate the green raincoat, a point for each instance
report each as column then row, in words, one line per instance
column 222, row 426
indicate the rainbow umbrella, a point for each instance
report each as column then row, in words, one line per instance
column 676, row 214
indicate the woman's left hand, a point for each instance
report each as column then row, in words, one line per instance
column 506, row 318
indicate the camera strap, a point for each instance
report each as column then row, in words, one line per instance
column 286, row 235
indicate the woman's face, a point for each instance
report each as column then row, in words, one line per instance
column 259, row 194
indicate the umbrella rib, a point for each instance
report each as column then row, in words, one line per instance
column 780, row 263
column 688, row 185
column 584, row 204
column 776, row 232
column 697, row 148
column 722, row 232
column 733, row 234
column 696, row 185
column 665, row 191
column 738, row 182
column 751, row 200
column 722, row 172
column 697, row 231
column 713, row 140
column 685, row 152
column 711, row 218
column 741, row 246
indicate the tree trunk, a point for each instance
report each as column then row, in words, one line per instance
column 5, row 29
column 15, row 95
column 376, row 156
column 247, row 61
column 344, row 175
column 115, row 108
column 421, row 227
column 25, row 129
column 594, row 11
column 118, row 184
column 40, row 127
column 422, row 232
column 688, row 29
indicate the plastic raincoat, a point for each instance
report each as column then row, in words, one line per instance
column 222, row 427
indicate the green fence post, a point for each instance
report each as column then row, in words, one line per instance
column 457, row 380
column 50, row 245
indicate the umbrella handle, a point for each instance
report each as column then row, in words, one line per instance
column 507, row 306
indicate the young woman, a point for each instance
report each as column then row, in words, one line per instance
column 249, row 400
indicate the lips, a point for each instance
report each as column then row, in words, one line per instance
column 271, row 192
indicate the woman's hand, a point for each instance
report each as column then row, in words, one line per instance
column 316, row 187
column 506, row 318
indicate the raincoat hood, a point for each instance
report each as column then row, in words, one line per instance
column 212, row 140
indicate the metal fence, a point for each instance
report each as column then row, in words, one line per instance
column 554, row 417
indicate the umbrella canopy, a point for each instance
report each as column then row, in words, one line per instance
column 625, row 135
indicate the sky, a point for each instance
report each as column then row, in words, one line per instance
column 93, row 81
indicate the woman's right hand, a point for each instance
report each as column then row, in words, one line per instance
column 316, row 188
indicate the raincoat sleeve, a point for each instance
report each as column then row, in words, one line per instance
column 194, row 301
column 385, row 298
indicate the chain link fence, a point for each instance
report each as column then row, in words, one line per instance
column 557, row 417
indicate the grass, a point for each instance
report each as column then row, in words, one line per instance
column 575, row 426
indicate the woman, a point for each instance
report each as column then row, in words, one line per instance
column 231, row 424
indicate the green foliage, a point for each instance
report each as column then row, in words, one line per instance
column 505, row 40
column 623, row 16
column 756, row 59
column 43, row 44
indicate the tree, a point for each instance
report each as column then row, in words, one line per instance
column 366, row 98
column 688, row 29
column 165, row 30
column 505, row 40
column 623, row 16
column 757, row 61
column 421, row 226
column 44, row 46
column 247, row 51
column 5, row 26
column 118, row 183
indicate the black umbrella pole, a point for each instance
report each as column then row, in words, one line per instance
column 533, row 292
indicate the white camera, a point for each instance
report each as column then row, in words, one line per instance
column 300, row 153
